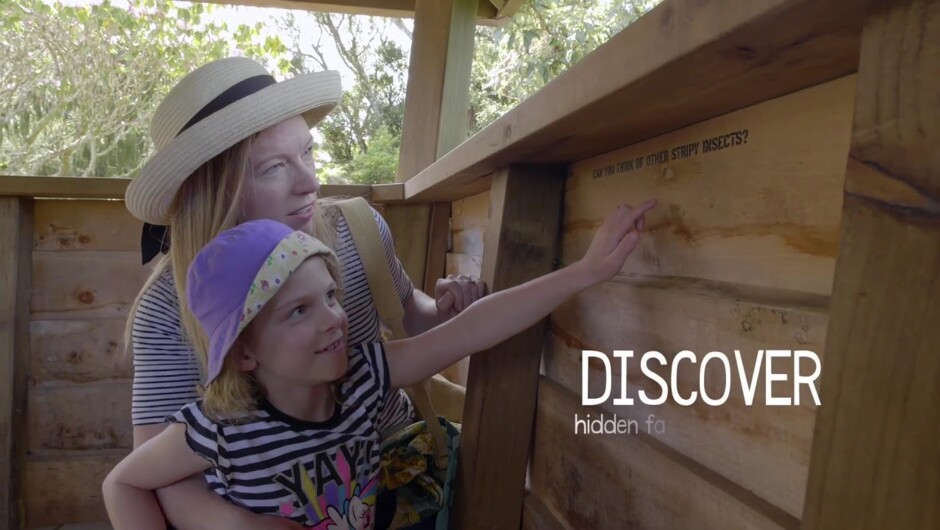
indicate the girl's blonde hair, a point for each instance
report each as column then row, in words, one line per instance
column 208, row 203
column 235, row 392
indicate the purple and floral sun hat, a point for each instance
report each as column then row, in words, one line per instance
column 237, row 273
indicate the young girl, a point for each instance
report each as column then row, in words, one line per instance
column 287, row 423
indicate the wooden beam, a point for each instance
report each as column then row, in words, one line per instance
column 438, row 238
column 485, row 10
column 438, row 93
column 684, row 62
column 382, row 193
column 63, row 187
column 537, row 516
column 113, row 188
column 16, row 217
column 521, row 244
column 409, row 226
column 876, row 460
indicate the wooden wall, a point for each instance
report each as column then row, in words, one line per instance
column 740, row 255
column 86, row 273
column 470, row 218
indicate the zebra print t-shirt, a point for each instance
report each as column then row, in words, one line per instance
column 166, row 371
column 320, row 474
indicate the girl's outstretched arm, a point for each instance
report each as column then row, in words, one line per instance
column 161, row 461
column 497, row 317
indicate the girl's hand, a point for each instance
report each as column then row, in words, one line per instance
column 614, row 241
column 455, row 293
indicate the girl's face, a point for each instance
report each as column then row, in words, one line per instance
column 283, row 182
column 299, row 337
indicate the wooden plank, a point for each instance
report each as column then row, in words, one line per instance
column 764, row 212
column 764, row 449
column 409, row 224
column 537, row 516
column 502, row 383
column 109, row 188
column 85, row 225
column 79, row 351
column 464, row 264
column 347, row 190
column 63, row 187
column 85, row 284
column 376, row 8
column 438, row 238
column 60, row 416
column 628, row 480
column 471, row 219
column 388, row 192
column 65, row 487
column 684, row 62
column 438, row 92
column 875, row 460
column 16, row 217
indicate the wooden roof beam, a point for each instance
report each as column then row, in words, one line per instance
column 487, row 10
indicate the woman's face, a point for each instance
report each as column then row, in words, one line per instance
column 283, row 184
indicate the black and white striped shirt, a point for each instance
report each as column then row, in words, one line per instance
column 166, row 371
column 316, row 473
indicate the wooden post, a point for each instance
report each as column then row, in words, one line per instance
column 521, row 244
column 438, row 236
column 16, row 238
column 435, row 121
column 876, row 456
column 438, row 93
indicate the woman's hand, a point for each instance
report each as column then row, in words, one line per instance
column 455, row 293
column 614, row 241
column 270, row 522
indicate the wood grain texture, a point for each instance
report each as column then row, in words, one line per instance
column 764, row 212
column 78, row 351
column 65, row 487
column 628, row 480
column 16, row 218
column 502, row 382
column 437, row 95
column 85, row 284
column 80, row 417
column 537, row 516
column 686, row 61
column 471, row 219
column 111, row 188
column 764, row 449
column 85, row 225
column 410, row 228
column 438, row 237
column 876, row 460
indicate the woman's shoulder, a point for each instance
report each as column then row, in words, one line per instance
column 162, row 288
column 159, row 300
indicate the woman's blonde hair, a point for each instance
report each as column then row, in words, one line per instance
column 235, row 392
column 208, row 203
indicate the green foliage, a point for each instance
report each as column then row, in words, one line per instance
column 79, row 84
column 377, row 165
column 361, row 137
column 543, row 39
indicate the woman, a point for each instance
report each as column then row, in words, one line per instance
column 234, row 145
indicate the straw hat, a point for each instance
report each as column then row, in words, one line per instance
column 213, row 108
